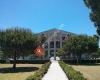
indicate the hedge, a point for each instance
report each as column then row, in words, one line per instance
column 45, row 61
column 40, row 73
column 30, row 61
column 70, row 72
column 82, row 61
column 2, row 61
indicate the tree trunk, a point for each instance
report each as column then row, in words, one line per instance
column 14, row 63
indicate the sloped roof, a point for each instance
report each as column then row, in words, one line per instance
column 51, row 31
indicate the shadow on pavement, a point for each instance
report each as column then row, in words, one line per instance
column 18, row 69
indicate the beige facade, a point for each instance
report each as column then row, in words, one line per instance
column 55, row 40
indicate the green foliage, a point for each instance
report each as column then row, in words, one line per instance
column 40, row 73
column 98, row 53
column 81, row 44
column 94, row 5
column 42, row 39
column 70, row 72
column 17, row 41
column 60, row 52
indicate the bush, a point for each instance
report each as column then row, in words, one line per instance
column 82, row 61
column 70, row 72
column 40, row 73
column 29, row 61
column 2, row 61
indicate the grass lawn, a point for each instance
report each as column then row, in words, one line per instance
column 91, row 72
column 21, row 73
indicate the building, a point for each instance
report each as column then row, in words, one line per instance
column 55, row 40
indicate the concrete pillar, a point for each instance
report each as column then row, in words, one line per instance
column 60, row 40
column 99, row 42
column 55, row 47
column 48, row 49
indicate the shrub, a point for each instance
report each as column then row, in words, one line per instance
column 94, row 61
column 70, row 72
column 40, row 73
column 29, row 61
column 2, row 61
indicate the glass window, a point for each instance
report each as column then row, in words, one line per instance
column 51, row 52
column 52, row 44
column 63, row 38
column 57, row 44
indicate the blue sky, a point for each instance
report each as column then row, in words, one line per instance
column 41, row 15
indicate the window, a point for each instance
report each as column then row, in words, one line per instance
column 51, row 53
column 63, row 38
column 57, row 44
column 52, row 44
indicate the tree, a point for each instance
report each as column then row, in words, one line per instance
column 42, row 38
column 77, row 45
column 60, row 52
column 98, row 53
column 94, row 6
column 17, row 41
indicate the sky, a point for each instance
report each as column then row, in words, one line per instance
column 41, row 15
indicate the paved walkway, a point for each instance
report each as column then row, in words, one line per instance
column 55, row 72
